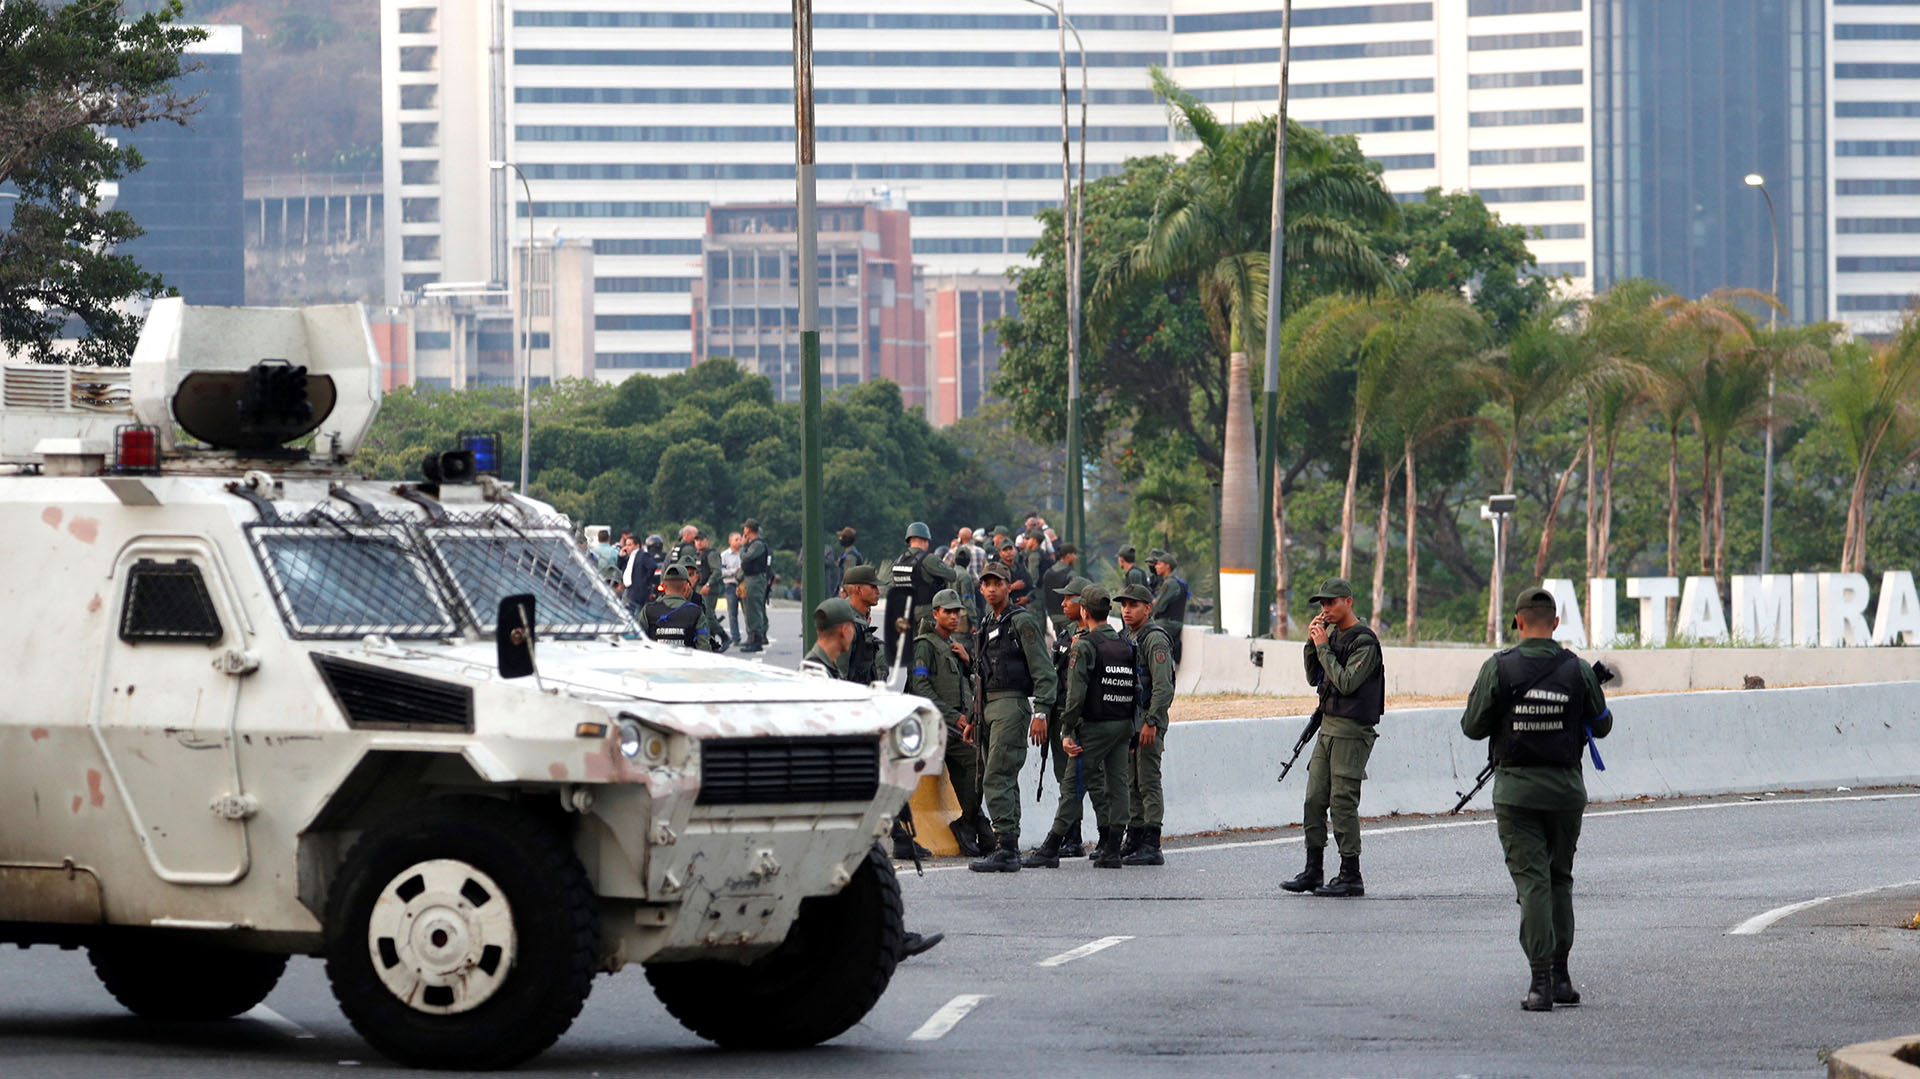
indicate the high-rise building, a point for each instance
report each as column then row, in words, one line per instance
column 190, row 197
column 1874, row 226
column 963, row 350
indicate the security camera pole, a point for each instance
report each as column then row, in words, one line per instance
column 1497, row 510
column 812, row 538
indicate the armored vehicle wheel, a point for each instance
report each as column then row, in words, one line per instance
column 179, row 978
column 836, row 961
column 461, row 934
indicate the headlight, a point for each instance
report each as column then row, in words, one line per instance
column 908, row 736
column 640, row 743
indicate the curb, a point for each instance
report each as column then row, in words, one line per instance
column 1874, row 1060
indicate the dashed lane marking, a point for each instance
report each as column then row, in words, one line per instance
column 1082, row 951
column 1753, row 926
column 949, row 1016
column 260, row 1013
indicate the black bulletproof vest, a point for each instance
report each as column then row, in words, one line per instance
column 1177, row 610
column 909, row 573
column 1541, row 698
column 1366, row 703
column 1113, row 686
column 1006, row 657
column 756, row 565
column 863, row 658
column 673, row 625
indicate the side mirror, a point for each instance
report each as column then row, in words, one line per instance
column 513, row 637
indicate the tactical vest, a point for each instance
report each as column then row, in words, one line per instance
column 1006, row 657
column 909, row 573
column 1142, row 648
column 1541, row 701
column 863, row 656
column 1113, row 687
column 1056, row 578
column 1177, row 610
column 756, row 565
column 1365, row 704
column 672, row 625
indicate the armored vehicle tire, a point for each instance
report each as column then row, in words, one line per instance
column 179, row 978
column 462, row 933
column 836, row 961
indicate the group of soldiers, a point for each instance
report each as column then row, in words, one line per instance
column 673, row 593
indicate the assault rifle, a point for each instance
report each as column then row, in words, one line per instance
column 1601, row 674
column 1313, row 727
column 1053, row 714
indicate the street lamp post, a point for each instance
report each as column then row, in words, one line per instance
column 523, row 339
column 1755, row 180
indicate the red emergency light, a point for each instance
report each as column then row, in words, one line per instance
column 136, row 449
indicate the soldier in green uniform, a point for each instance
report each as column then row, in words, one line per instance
column 1053, row 585
column 1169, row 599
column 920, row 575
column 1020, row 688
column 1343, row 661
column 1131, row 574
column 867, row 662
column 756, row 578
column 968, row 585
column 1063, row 839
column 1102, row 691
column 1539, row 702
column 942, row 673
column 834, row 625
column 675, row 619
column 1147, row 799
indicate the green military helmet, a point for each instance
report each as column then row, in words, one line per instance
column 919, row 530
column 948, row 600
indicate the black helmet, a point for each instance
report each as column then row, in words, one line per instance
column 654, row 541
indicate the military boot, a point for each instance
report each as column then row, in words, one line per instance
column 1071, row 846
column 984, row 829
column 967, row 839
column 1107, row 854
column 1004, row 859
column 1148, row 852
column 904, row 848
column 1044, row 856
column 1540, row 990
column 1314, row 875
column 1563, row 990
column 1346, row 884
column 1132, row 841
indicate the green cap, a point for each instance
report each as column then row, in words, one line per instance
column 1128, row 553
column 919, row 530
column 751, row 522
column 1332, row 588
column 995, row 568
column 1536, row 599
column 834, row 612
column 948, row 600
column 861, row 574
column 1095, row 600
column 1135, row 593
column 1073, row 586
column 675, row 572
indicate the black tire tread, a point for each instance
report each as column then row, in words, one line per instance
column 175, row 979
column 720, row 1002
column 501, row 1044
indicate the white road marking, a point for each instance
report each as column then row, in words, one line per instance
column 1282, row 841
column 949, row 1016
column 1752, row 926
column 260, row 1013
column 1082, row 951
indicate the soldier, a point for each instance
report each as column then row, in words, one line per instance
column 1097, row 723
column 1053, row 589
column 1343, row 661
column 867, row 660
column 676, row 619
column 1131, row 574
column 1019, row 585
column 1147, row 800
column 1034, row 556
column 1170, row 599
column 756, row 569
column 1539, row 703
column 848, row 556
column 1063, row 839
column 1019, row 689
column 683, row 548
column 705, row 571
column 942, row 672
column 920, row 575
column 834, row 629
column 968, row 585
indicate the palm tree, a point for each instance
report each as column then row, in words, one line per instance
column 1211, row 225
column 1869, row 397
column 1621, row 327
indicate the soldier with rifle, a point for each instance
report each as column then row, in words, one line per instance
column 942, row 672
column 1146, row 796
column 1343, row 662
column 914, row 579
column 1541, row 706
column 1052, row 589
column 1018, row 691
column 1064, row 838
column 676, row 619
column 1170, row 598
column 1102, row 691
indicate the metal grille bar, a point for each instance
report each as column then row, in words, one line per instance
column 761, row 771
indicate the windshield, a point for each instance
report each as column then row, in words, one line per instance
column 487, row 563
column 348, row 581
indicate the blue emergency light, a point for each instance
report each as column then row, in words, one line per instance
column 486, row 452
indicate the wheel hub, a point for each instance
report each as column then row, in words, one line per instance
column 441, row 936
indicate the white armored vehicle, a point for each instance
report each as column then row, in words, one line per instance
column 257, row 707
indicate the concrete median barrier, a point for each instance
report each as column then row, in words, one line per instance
column 1876, row 1060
